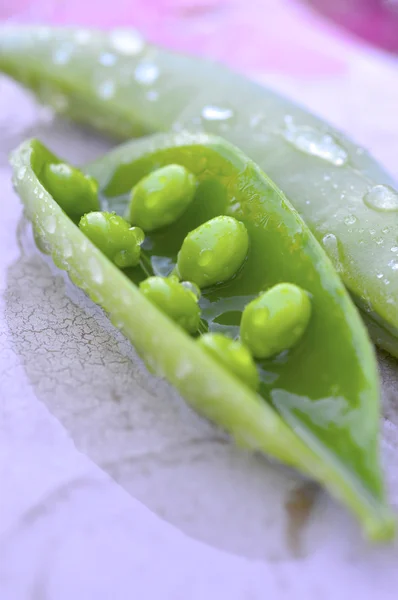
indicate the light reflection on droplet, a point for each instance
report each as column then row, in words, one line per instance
column 316, row 143
column 382, row 198
column 216, row 113
column 126, row 41
column 106, row 89
column 107, row 59
column 146, row 73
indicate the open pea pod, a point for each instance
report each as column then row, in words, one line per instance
column 318, row 403
column 124, row 86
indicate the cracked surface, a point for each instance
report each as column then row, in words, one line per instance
column 93, row 450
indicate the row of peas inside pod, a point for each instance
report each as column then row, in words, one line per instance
column 211, row 254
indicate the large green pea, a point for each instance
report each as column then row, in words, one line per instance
column 233, row 355
column 76, row 193
column 276, row 320
column 213, row 252
column 161, row 197
column 178, row 302
column 120, row 242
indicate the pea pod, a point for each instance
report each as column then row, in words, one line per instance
column 123, row 86
column 318, row 404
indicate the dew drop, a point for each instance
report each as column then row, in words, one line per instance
column 255, row 121
column 393, row 264
column 192, row 287
column 183, row 369
column 216, row 113
column 95, row 270
column 330, row 244
column 139, row 235
column 50, row 224
column 379, row 241
column 107, row 59
column 385, row 230
column 205, row 258
column 379, row 275
column 127, row 41
column 316, row 143
column 67, row 248
column 260, row 317
column 382, row 198
column 63, row 54
column 106, row 89
column 326, row 178
column 350, row 220
column 21, row 173
column 394, row 248
column 146, row 73
column 152, row 95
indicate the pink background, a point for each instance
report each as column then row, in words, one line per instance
column 272, row 35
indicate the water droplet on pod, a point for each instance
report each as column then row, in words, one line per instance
column 316, row 143
column 126, row 41
column 216, row 113
column 382, row 198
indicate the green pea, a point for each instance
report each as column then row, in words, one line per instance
column 161, row 197
column 233, row 355
column 76, row 193
column 174, row 299
column 120, row 242
column 276, row 320
column 213, row 252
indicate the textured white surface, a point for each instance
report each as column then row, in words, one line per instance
column 110, row 486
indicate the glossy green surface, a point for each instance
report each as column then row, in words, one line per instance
column 120, row 242
column 213, row 252
column 77, row 194
column 318, row 405
column 345, row 197
column 233, row 355
column 161, row 197
column 276, row 320
column 175, row 300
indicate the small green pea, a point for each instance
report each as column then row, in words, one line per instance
column 276, row 320
column 174, row 299
column 76, row 193
column 233, row 355
column 120, row 242
column 161, row 197
column 213, row 252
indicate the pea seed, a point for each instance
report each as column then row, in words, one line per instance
column 276, row 320
column 233, row 355
column 213, row 252
column 120, row 242
column 76, row 193
column 174, row 299
column 161, row 197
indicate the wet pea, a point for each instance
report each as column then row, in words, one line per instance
column 213, row 252
column 161, row 197
column 174, row 299
column 233, row 355
column 276, row 320
column 76, row 193
column 120, row 242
